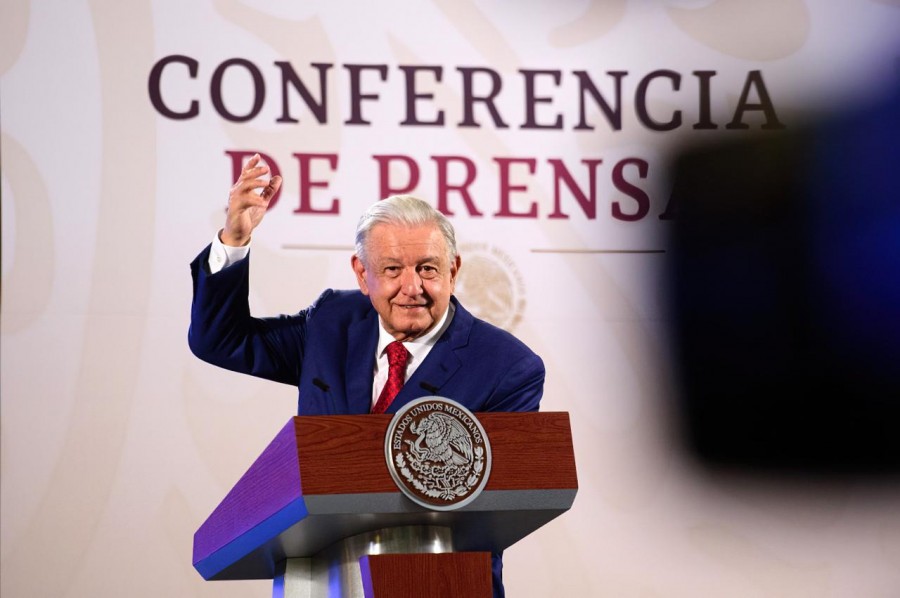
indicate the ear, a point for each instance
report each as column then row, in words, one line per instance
column 360, row 270
column 454, row 271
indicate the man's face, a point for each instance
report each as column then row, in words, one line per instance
column 407, row 276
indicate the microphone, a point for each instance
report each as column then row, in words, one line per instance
column 324, row 387
column 429, row 387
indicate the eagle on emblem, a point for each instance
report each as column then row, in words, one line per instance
column 445, row 440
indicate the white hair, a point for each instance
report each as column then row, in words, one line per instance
column 404, row 210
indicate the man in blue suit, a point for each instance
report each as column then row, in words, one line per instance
column 336, row 350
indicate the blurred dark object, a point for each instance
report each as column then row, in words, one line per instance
column 785, row 286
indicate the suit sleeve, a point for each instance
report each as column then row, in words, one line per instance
column 223, row 333
column 522, row 387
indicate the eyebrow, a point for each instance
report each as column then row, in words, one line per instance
column 387, row 260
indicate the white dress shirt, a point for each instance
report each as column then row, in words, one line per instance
column 418, row 348
column 221, row 255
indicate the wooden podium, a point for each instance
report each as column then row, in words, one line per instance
column 319, row 513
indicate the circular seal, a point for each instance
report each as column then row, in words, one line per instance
column 438, row 453
column 491, row 286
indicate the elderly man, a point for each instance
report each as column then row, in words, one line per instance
column 402, row 336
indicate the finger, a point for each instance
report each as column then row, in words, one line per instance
column 247, row 189
column 252, row 173
column 254, row 159
column 271, row 189
column 239, row 203
column 245, row 185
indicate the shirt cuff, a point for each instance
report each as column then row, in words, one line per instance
column 221, row 256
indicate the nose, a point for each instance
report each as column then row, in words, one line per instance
column 411, row 282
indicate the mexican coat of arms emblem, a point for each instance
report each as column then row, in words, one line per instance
column 438, row 453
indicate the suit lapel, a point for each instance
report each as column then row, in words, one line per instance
column 362, row 338
column 441, row 364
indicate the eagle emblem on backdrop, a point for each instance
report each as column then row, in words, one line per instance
column 438, row 453
column 491, row 286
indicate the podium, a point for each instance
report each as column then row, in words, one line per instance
column 319, row 513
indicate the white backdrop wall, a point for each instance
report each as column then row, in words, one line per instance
column 116, row 442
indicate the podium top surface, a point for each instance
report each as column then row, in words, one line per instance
column 324, row 478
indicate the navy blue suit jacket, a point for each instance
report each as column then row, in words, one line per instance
column 328, row 351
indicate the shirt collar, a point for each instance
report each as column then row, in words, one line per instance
column 426, row 340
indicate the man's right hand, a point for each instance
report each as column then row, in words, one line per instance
column 247, row 205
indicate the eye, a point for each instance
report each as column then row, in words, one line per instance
column 392, row 271
column 427, row 271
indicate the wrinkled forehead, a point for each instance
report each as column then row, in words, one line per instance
column 399, row 242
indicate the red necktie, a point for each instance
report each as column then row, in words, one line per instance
column 397, row 357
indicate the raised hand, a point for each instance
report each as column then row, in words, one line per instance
column 247, row 204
